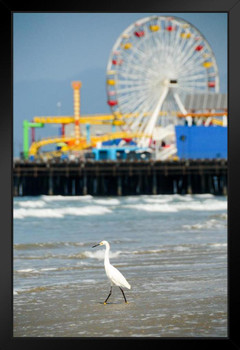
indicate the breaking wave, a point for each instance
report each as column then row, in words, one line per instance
column 66, row 198
column 208, row 205
column 22, row 213
column 61, row 206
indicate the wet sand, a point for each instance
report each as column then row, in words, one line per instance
column 78, row 311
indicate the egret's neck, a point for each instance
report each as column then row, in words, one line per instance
column 106, row 258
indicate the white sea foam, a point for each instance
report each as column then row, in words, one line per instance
column 157, row 199
column 156, row 205
column 153, row 207
column 181, row 248
column 99, row 254
column 217, row 245
column 107, row 201
column 87, row 210
column 207, row 205
column 163, row 249
column 50, row 269
column 43, row 213
column 60, row 212
column 203, row 195
column 106, row 206
column 32, row 204
column 65, row 198
column 165, row 198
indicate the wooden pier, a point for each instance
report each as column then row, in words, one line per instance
column 119, row 178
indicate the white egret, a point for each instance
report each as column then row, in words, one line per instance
column 115, row 276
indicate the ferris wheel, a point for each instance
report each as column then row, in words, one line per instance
column 153, row 65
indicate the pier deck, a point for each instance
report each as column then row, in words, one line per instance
column 111, row 178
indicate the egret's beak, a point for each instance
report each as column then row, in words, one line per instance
column 95, row 245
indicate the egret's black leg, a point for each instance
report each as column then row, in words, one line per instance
column 108, row 296
column 123, row 295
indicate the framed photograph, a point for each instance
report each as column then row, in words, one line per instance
column 119, row 189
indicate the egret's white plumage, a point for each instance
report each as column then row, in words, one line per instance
column 115, row 277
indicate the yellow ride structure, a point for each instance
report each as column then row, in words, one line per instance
column 79, row 142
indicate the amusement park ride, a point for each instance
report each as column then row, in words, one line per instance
column 154, row 64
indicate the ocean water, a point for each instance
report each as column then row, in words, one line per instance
column 172, row 249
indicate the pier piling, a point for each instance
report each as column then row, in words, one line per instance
column 119, row 186
column 85, row 191
column 154, row 183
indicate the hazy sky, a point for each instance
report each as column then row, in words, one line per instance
column 50, row 50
